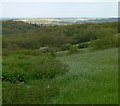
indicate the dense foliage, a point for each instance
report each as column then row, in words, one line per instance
column 84, row 45
column 22, row 68
column 15, row 27
column 35, row 92
column 59, row 36
column 19, row 70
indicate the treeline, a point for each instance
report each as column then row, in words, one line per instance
column 102, row 35
column 16, row 27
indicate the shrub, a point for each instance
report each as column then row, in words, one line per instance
column 13, row 77
column 21, row 93
column 105, row 42
column 23, row 68
column 52, row 52
column 50, row 69
column 73, row 49
column 27, row 52
column 65, row 47
column 107, row 38
column 26, row 78
column 84, row 45
column 21, row 51
column 6, row 52
column 44, row 49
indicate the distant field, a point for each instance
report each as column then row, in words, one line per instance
column 66, row 21
column 92, row 79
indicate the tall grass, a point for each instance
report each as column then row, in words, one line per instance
column 92, row 79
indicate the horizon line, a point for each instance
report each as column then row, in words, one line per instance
column 63, row 17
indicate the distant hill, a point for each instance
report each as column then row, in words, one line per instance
column 66, row 21
column 56, row 36
column 102, row 20
column 58, row 21
column 11, row 27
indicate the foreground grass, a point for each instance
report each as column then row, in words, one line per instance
column 92, row 79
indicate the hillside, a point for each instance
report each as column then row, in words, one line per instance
column 32, row 37
column 92, row 79
column 65, row 21
column 11, row 27
column 71, row 69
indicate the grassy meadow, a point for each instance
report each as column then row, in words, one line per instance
column 92, row 78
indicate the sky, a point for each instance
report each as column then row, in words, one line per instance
column 33, row 8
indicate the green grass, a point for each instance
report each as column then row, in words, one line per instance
column 92, row 78
column 65, row 53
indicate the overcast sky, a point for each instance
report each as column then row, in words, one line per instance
column 95, row 8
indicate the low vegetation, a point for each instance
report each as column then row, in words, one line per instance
column 92, row 78
column 34, row 92
column 19, row 70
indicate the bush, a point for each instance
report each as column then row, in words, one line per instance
column 105, row 42
column 21, row 93
column 21, row 51
column 6, row 52
column 23, row 68
column 52, row 52
column 65, row 47
column 73, row 49
column 50, row 69
column 84, row 45
column 107, row 38
column 27, row 52
column 14, row 76
column 26, row 78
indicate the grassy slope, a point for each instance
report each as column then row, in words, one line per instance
column 92, row 78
